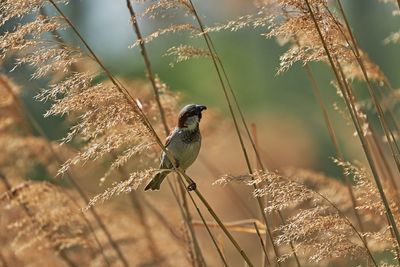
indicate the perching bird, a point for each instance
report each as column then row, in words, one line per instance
column 183, row 144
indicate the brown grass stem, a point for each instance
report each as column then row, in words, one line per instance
column 146, row 59
column 264, row 249
column 225, row 91
column 317, row 93
column 35, row 125
column 381, row 116
column 146, row 122
column 193, row 257
column 151, row 78
column 64, row 257
column 188, row 216
column 221, row 255
column 351, row 107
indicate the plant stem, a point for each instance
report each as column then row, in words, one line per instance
column 267, row 262
column 317, row 93
column 351, row 108
column 221, row 255
column 35, row 125
column 247, row 160
column 147, row 123
column 31, row 216
column 146, row 59
column 151, row 77
column 355, row 49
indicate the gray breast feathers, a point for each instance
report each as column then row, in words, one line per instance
column 184, row 145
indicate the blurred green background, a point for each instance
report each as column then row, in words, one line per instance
column 250, row 59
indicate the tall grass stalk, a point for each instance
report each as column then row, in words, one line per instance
column 134, row 104
column 381, row 116
column 350, row 105
column 35, row 125
column 339, row 154
column 64, row 257
column 221, row 255
column 195, row 254
column 152, row 80
column 218, row 63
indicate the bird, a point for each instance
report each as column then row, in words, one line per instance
column 183, row 144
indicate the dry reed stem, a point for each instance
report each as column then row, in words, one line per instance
column 151, row 77
column 351, row 108
column 264, row 249
column 216, row 61
column 35, row 125
column 8, row 186
column 221, row 255
column 317, row 93
column 381, row 116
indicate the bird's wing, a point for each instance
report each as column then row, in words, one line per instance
column 169, row 137
column 165, row 162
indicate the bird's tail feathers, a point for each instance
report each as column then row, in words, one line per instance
column 155, row 183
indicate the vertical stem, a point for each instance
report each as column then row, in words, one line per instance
column 317, row 93
column 389, row 134
column 267, row 262
column 208, row 228
column 356, row 122
column 245, row 154
column 35, row 125
column 146, row 59
column 149, row 126
column 151, row 77
column 31, row 216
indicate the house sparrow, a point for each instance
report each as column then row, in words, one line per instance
column 183, row 144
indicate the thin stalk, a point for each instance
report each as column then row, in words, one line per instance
column 147, row 123
column 267, row 262
column 192, row 256
column 146, row 59
column 221, row 255
column 35, row 125
column 381, row 116
column 31, row 216
column 351, row 108
column 317, row 93
column 225, row 91
column 188, row 216
column 151, row 77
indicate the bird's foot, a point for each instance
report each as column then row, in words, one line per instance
column 192, row 186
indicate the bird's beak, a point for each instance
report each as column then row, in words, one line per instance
column 201, row 108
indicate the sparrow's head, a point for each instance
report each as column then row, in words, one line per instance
column 190, row 116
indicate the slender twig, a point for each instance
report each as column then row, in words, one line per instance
column 188, row 216
column 147, row 123
column 381, row 116
column 221, row 255
column 267, row 262
column 35, row 125
column 317, row 93
column 146, row 59
column 151, row 78
column 31, row 216
column 220, row 74
column 351, row 108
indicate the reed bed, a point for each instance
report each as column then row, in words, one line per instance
column 79, row 201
